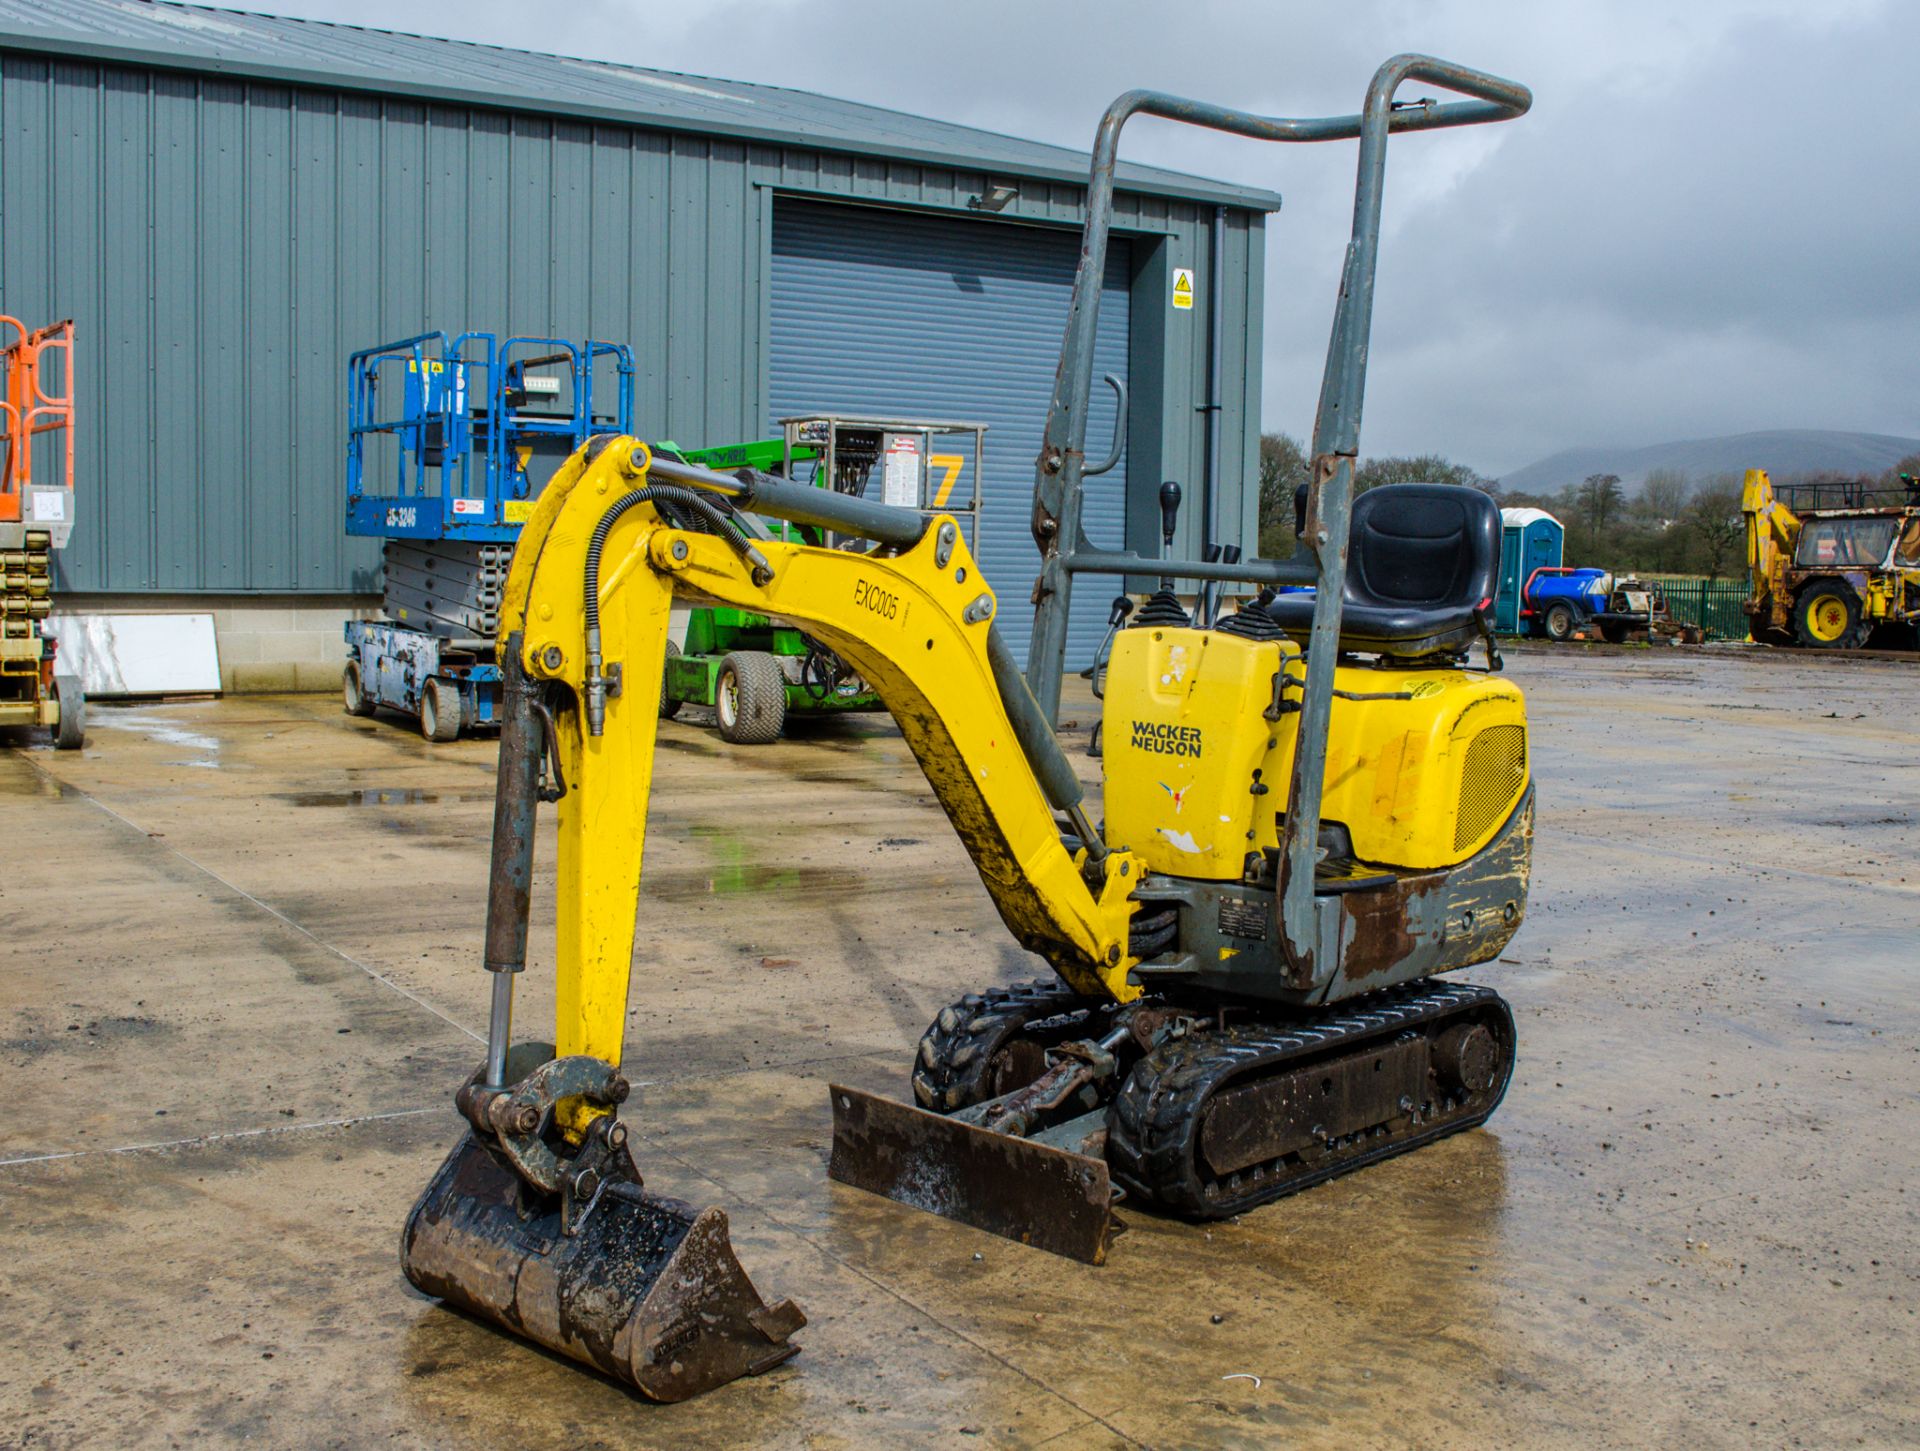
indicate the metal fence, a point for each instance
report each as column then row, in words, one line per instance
column 1713, row 604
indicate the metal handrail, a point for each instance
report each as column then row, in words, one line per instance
column 30, row 408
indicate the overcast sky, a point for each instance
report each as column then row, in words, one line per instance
column 1708, row 224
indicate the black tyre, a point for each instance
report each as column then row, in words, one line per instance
column 70, row 734
column 1614, row 634
column 750, row 698
column 669, row 707
column 1560, row 622
column 1827, row 616
column 353, row 693
column 440, row 711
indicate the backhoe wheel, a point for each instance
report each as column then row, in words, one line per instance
column 750, row 698
column 669, row 707
column 1560, row 622
column 71, row 732
column 353, row 694
column 1827, row 617
column 993, row 1042
column 440, row 711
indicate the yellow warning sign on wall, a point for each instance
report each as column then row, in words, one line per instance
column 1183, row 288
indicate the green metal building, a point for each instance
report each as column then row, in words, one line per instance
column 228, row 204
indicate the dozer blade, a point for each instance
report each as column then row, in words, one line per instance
column 645, row 1288
column 1049, row 1198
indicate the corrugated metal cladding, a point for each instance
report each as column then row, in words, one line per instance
column 224, row 241
column 900, row 315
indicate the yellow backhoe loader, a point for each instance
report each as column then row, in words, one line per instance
column 1312, row 805
column 1828, row 564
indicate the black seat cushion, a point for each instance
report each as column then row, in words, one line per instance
column 1421, row 559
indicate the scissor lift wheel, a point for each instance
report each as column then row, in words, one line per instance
column 440, row 711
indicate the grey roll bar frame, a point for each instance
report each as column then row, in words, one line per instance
column 1321, row 560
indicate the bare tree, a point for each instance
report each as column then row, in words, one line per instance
column 1597, row 504
column 1662, row 497
column 1599, row 500
column 1283, row 468
column 1718, row 529
column 1424, row 468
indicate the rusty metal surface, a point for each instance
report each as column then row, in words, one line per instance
column 645, row 1288
column 1437, row 921
column 1021, row 1190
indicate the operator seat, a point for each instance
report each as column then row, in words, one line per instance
column 1422, row 561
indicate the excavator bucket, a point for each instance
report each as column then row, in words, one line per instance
column 637, row 1285
column 1018, row 1188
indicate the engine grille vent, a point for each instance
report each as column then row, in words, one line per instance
column 1495, row 771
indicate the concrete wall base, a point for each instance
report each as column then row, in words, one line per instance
column 267, row 643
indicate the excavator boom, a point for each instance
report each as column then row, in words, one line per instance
column 916, row 623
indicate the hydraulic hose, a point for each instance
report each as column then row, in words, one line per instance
column 674, row 498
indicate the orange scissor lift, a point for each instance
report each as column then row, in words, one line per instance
column 36, row 518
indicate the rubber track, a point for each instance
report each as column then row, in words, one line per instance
column 1153, row 1124
column 957, row 1050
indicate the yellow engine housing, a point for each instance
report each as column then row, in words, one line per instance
column 1196, row 776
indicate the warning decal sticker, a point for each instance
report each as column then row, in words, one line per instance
column 900, row 480
column 1183, row 289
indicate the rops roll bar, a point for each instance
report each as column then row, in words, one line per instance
column 1321, row 559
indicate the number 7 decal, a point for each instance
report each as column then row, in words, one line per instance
column 952, row 463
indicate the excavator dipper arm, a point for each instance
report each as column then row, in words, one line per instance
column 915, row 623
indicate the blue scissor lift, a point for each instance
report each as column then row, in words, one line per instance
column 449, row 442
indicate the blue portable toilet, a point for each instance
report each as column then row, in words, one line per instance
column 1530, row 539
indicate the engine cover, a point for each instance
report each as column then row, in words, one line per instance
column 1422, row 774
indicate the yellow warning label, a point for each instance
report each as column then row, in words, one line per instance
column 1183, row 288
column 516, row 511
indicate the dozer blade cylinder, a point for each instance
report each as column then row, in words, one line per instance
column 645, row 1288
column 1039, row 1195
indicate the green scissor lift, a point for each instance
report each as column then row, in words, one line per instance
column 751, row 671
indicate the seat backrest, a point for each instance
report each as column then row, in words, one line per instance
column 1423, row 547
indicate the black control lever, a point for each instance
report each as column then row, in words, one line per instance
column 1169, row 517
column 1209, row 590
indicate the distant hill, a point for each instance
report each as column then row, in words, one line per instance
column 1781, row 452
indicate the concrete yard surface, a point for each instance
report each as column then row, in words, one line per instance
column 240, row 981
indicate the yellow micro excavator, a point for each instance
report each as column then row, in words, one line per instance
column 1313, row 804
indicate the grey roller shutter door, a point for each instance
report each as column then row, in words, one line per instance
column 884, row 312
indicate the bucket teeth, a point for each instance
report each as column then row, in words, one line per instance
column 642, row 1287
